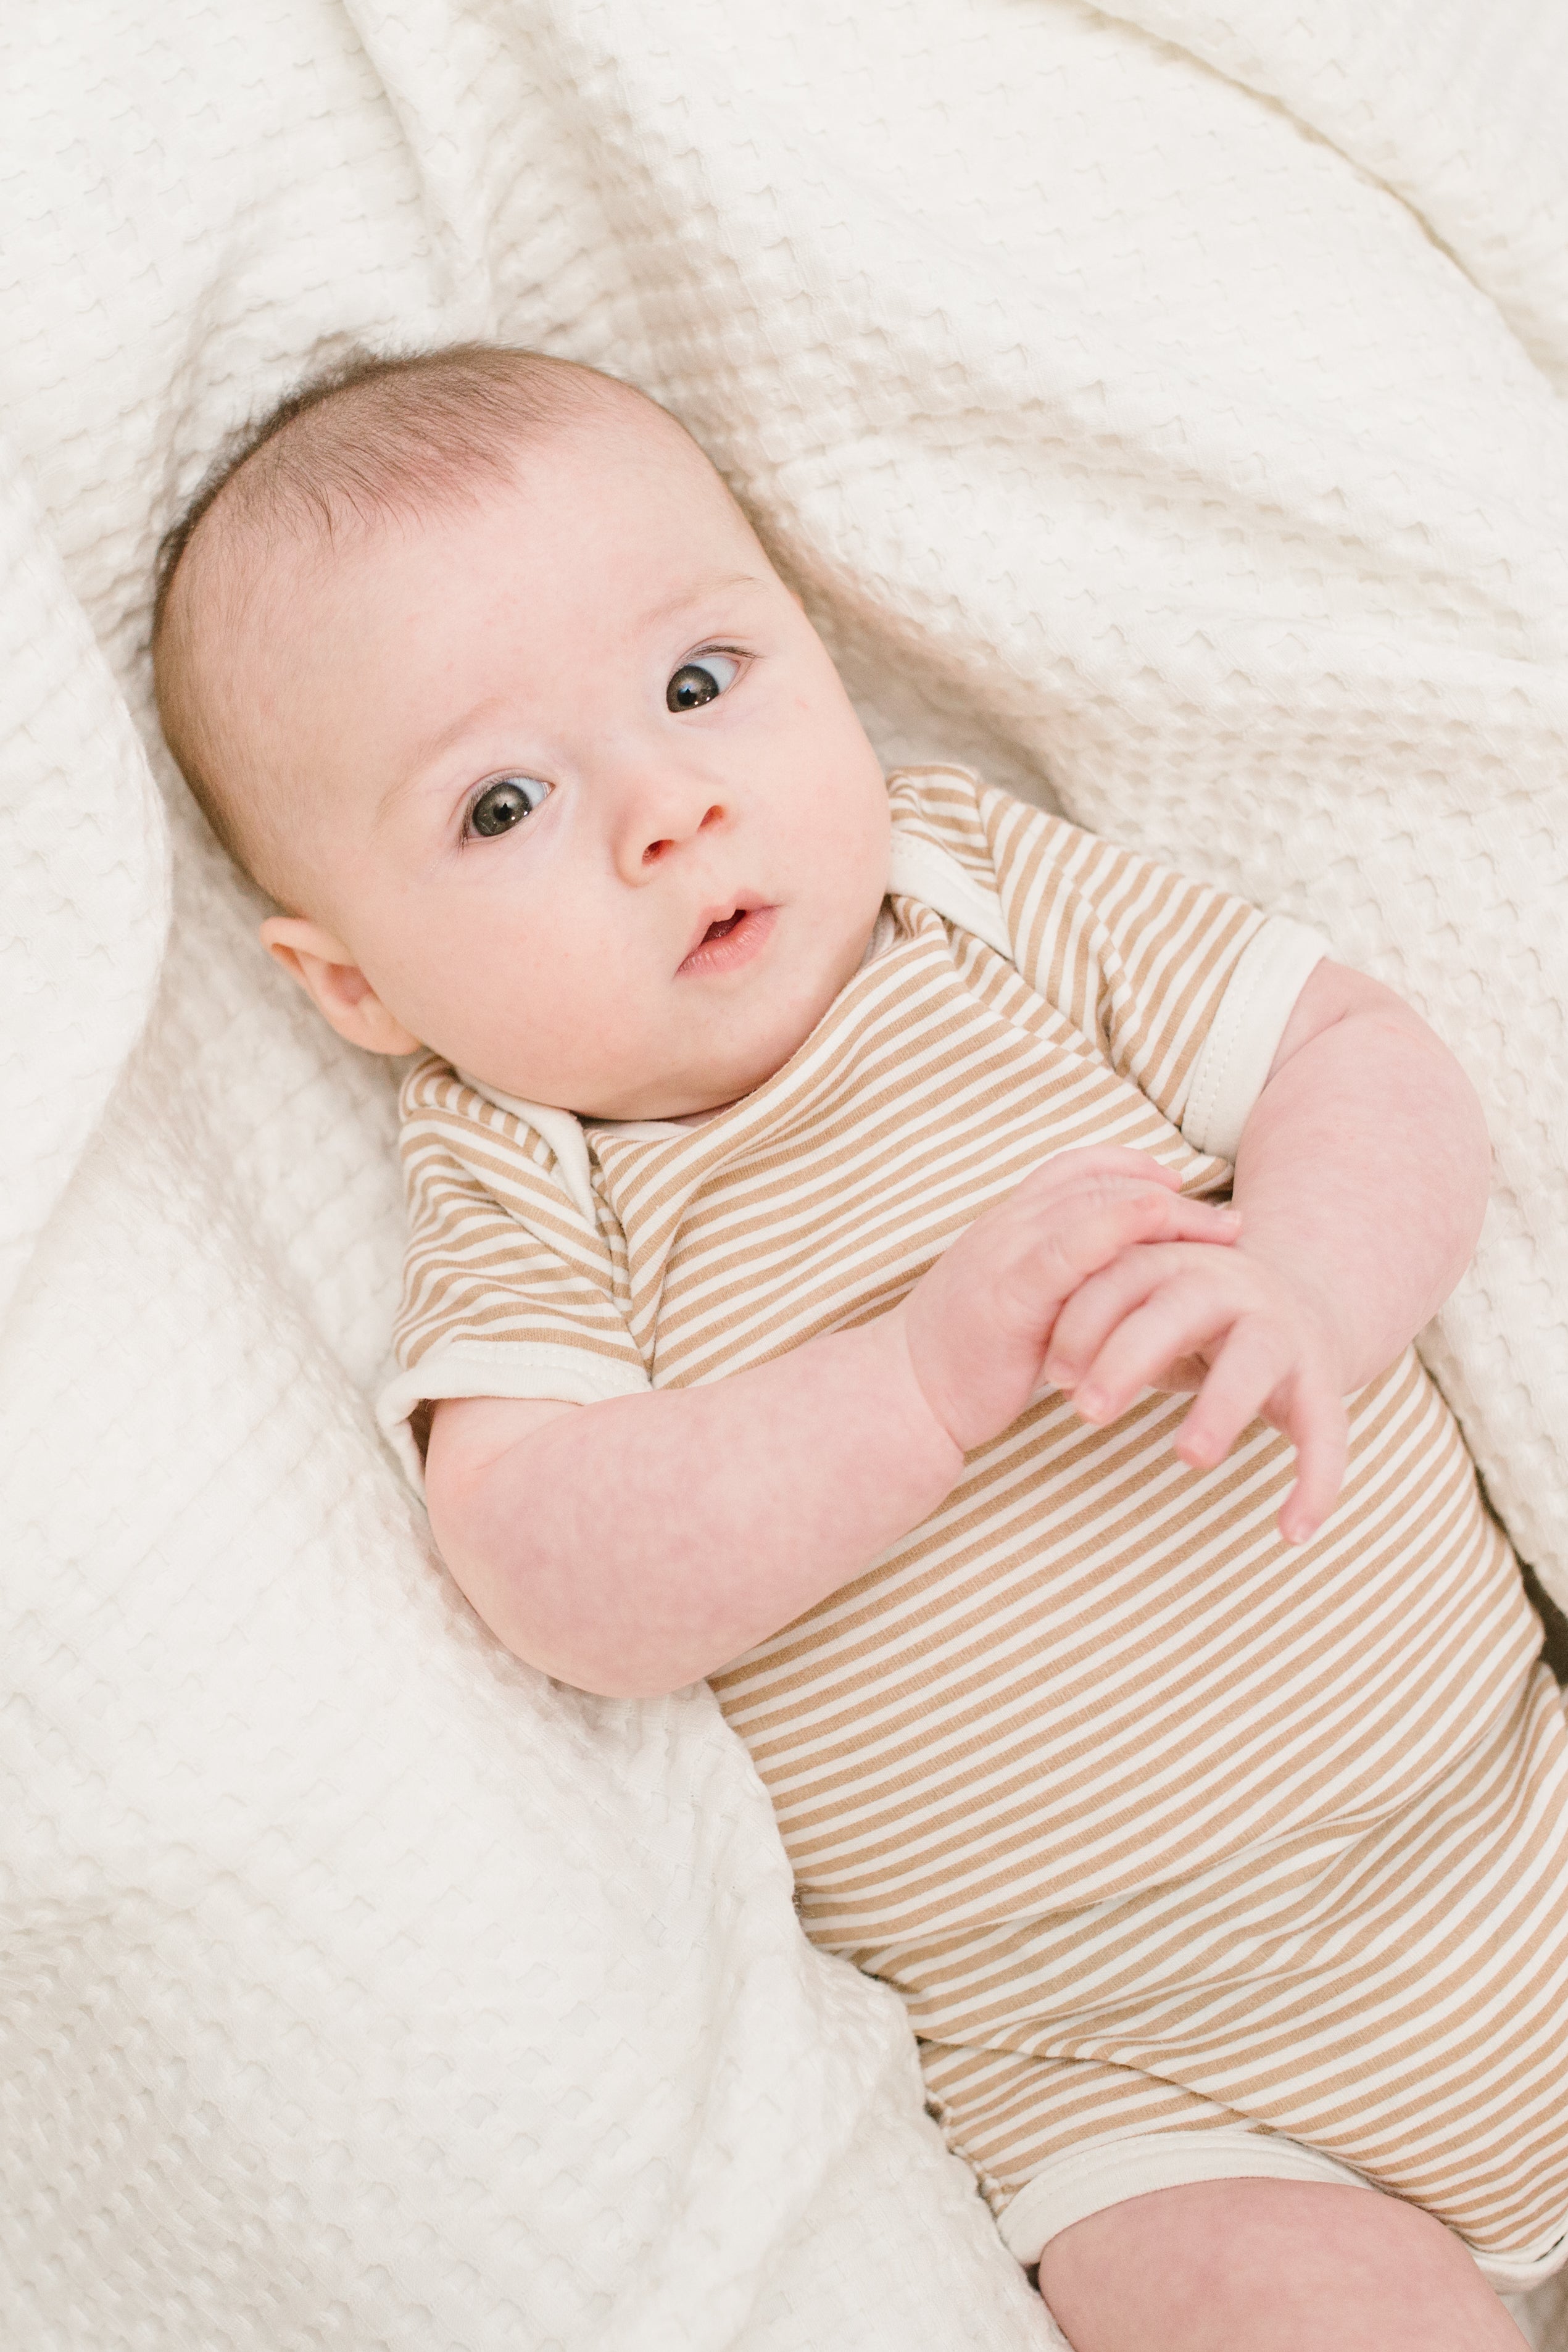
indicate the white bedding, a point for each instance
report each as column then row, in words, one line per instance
column 1160, row 405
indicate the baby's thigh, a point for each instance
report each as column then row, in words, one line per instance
column 1268, row 2267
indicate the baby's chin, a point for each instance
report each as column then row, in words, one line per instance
column 677, row 1093
column 689, row 1093
column 726, row 1053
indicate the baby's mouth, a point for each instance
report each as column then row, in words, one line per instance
column 728, row 939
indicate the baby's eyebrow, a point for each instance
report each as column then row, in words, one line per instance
column 682, row 602
column 426, row 753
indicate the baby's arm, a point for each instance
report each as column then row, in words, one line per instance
column 636, row 1545
column 1362, row 1178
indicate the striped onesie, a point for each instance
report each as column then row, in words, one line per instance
column 1191, row 1854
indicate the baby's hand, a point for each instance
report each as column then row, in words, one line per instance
column 1174, row 1316
column 978, row 1324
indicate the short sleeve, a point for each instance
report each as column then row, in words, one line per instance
column 509, row 1289
column 1186, row 990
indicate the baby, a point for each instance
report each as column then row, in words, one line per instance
column 820, row 1279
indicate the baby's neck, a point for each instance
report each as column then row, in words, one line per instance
column 661, row 1118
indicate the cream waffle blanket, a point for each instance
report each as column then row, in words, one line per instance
column 1160, row 406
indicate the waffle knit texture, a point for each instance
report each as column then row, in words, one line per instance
column 1160, row 409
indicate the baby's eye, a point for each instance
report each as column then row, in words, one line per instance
column 503, row 805
column 702, row 679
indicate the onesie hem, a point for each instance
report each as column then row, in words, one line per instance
column 1085, row 2180
column 523, row 1369
column 1233, row 1062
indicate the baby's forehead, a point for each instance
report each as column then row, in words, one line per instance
column 322, row 530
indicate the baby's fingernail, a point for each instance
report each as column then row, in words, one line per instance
column 1059, row 1375
column 1091, row 1403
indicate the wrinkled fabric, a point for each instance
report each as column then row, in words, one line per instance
column 1159, row 407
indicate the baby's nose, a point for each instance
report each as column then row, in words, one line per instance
column 655, row 850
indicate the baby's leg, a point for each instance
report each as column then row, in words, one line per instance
column 1268, row 2267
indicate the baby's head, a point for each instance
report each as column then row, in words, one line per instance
column 480, row 671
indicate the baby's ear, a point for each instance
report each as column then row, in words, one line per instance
column 335, row 984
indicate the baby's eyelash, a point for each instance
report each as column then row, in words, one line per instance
column 503, row 804
column 702, row 677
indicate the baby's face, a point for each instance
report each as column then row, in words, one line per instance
column 589, row 807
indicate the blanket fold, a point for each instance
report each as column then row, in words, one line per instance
column 1158, row 405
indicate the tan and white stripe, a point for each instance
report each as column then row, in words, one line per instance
column 1155, row 1823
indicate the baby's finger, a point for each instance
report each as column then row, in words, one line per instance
column 1098, row 1306
column 1097, row 1163
column 1069, row 1180
column 1303, row 1401
column 1257, row 1357
column 1178, row 1316
column 1317, row 1424
column 1067, row 1249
